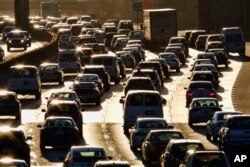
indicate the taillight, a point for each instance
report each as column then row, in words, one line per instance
column 189, row 94
column 212, row 94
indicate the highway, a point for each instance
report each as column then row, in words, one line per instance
column 103, row 124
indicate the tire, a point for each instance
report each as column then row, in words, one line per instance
column 8, row 48
column 25, row 48
column 42, row 146
column 98, row 102
column 125, row 130
column 133, row 148
column 208, row 136
column 215, row 138
column 61, row 82
column 178, row 69
column 80, row 131
column 18, row 117
column 226, row 64
column 107, row 87
column 38, row 95
column 117, row 81
column 123, row 75
column 190, row 123
column 147, row 163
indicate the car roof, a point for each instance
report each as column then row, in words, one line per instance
column 227, row 112
column 202, row 72
column 239, row 116
column 176, row 141
column 204, row 98
column 5, row 93
column 49, row 64
column 142, row 92
column 87, row 148
column 58, row 117
column 94, row 66
column 138, row 78
column 11, row 161
column 150, row 119
column 164, row 130
column 63, row 91
column 66, row 51
column 200, row 82
column 24, row 66
column 102, row 55
column 59, row 102
column 112, row 162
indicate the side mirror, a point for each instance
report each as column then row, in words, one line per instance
column 39, row 126
column 221, row 105
column 124, row 84
column 43, row 110
column 189, row 77
column 46, row 98
column 110, row 158
column 229, row 62
column 164, row 101
column 121, row 101
column 82, row 109
column 185, row 87
column 170, row 127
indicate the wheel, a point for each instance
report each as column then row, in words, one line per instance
column 226, row 64
column 123, row 75
column 38, row 95
column 42, row 146
column 190, row 123
column 147, row 163
column 215, row 138
column 61, row 82
column 107, row 87
column 8, row 48
column 98, row 102
column 80, row 131
column 125, row 130
column 178, row 69
column 133, row 148
column 25, row 48
column 208, row 136
column 117, row 81
column 18, row 117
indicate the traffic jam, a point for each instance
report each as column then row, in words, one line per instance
column 96, row 58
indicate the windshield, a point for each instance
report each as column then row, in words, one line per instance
column 67, row 57
column 23, row 72
column 209, row 160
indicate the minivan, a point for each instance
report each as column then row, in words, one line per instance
column 25, row 79
column 69, row 60
column 141, row 103
column 110, row 64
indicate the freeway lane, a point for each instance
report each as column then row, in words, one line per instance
column 103, row 124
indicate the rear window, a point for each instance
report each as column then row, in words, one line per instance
column 166, row 136
column 209, row 160
column 240, row 123
column 182, row 148
column 99, row 71
column 136, row 100
column 102, row 61
column 23, row 73
column 203, row 77
column 153, row 124
column 59, row 122
column 206, row 103
column 63, row 95
column 67, row 57
column 63, row 108
column 152, row 100
column 7, row 98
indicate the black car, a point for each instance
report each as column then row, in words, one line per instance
column 155, row 144
column 199, row 89
column 64, row 108
column 100, row 71
column 207, row 67
column 178, row 51
column 221, row 56
column 208, row 55
column 55, row 128
column 165, row 66
column 14, row 144
column 51, row 72
column 153, row 65
column 194, row 35
column 138, row 83
column 88, row 92
column 204, row 76
column 202, row 109
column 135, row 52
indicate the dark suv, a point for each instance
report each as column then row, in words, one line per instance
column 199, row 89
column 9, row 104
column 100, row 71
column 138, row 83
column 65, row 108
column 13, row 143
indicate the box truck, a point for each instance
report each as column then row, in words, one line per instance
column 49, row 9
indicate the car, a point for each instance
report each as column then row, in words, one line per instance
column 205, row 158
column 2, row 54
column 138, row 83
column 208, row 55
column 64, row 108
column 14, row 144
column 175, row 151
column 110, row 64
column 141, row 128
column 124, row 31
column 120, row 44
column 63, row 40
column 51, row 72
column 204, row 76
column 100, row 71
column 140, row 49
column 193, row 37
column 152, row 74
column 127, row 58
column 8, row 162
column 126, row 24
column 136, row 34
column 171, row 59
column 6, row 31
column 55, row 128
column 25, row 79
column 165, row 66
column 69, row 60
column 208, row 67
column 155, row 143
column 178, row 51
column 201, row 61
column 112, row 163
column 215, row 123
column 85, row 54
column 202, row 109
column 28, row 37
column 153, row 65
column 115, row 37
column 214, row 45
column 96, row 23
column 135, row 52
column 182, row 46
column 85, row 156
column 200, row 43
column 75, row 29
column 182, row 40
column 199, row 89
column 88, row 92
column 135, row 41
column 221, row 56
column 91, row 78
column 99, row 36
column 10, row 105
column 234, row 135
column 215, row 38
column 63, row 95
column 16, row 39
column 141, row 103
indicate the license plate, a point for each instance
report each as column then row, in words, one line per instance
column 59, row 132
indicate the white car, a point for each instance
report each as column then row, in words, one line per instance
column 142, row 127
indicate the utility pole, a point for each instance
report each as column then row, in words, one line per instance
column 22, row 13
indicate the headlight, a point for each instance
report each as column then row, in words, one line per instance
column 22, row 41
column 9, row 41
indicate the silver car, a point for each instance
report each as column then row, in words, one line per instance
column 142, row 127
column 215, row 123
column 171, row 59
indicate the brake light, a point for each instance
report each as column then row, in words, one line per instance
column 212, row 94
column 189, row 94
